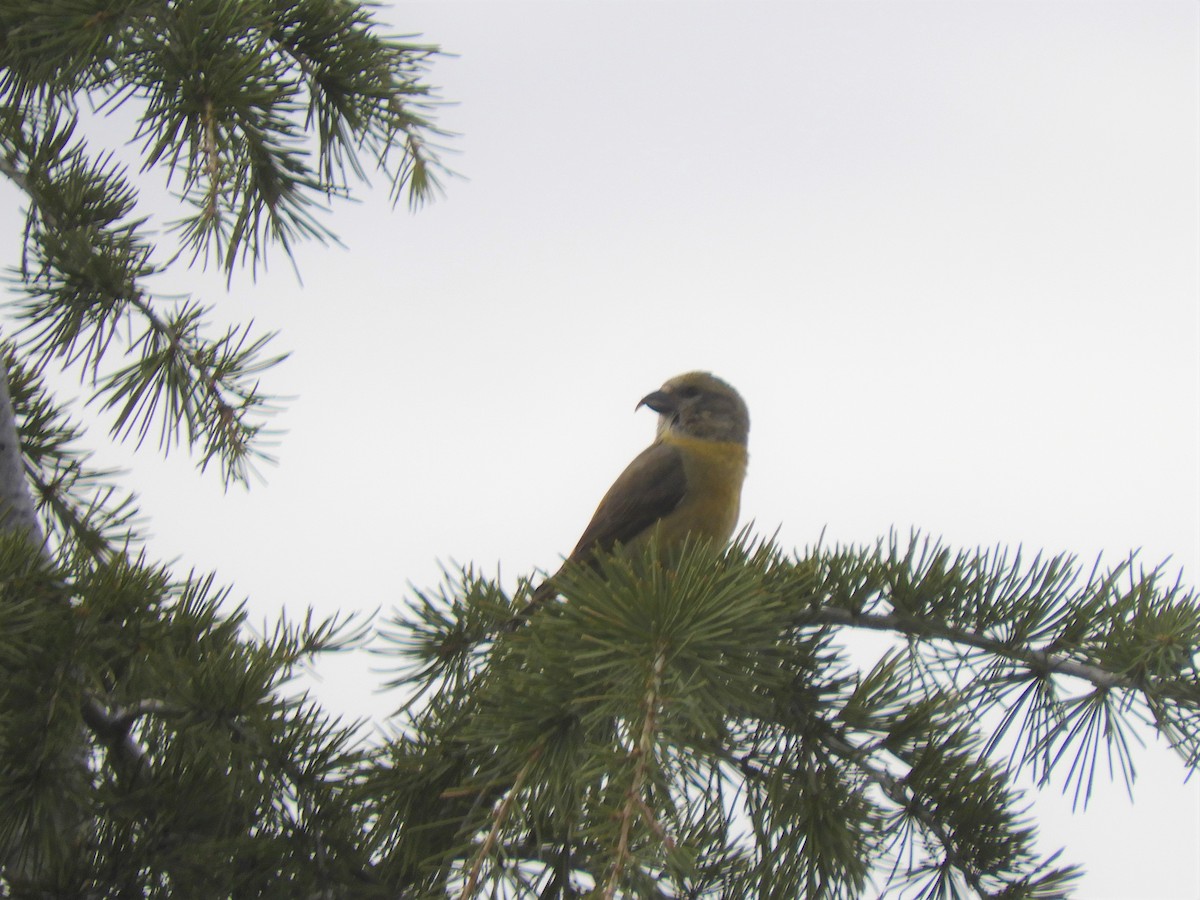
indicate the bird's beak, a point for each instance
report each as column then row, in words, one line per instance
column 660, row 401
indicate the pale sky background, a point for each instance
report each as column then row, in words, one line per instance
column 946, row 250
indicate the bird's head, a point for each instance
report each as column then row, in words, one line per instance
column 700, row 405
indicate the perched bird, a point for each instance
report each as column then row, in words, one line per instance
column 688, row 482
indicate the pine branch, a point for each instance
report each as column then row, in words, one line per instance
column 247, row 73
column 203, row 687
column 912, row 804
column 1050, row 885
column 747, row 688
column 88, row 268
column 221, row 83
column 148, row 749
column 362, row 106
column 203, row 383
column 980, row 624
column 79, row 505
column 1039, row 661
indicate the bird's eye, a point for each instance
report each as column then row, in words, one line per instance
column 688, row 392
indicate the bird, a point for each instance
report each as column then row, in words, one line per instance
column 686, row 484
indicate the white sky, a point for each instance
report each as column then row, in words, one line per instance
column 946, row 250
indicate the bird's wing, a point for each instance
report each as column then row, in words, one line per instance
column 649, row 488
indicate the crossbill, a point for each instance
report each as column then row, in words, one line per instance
column 687, row 483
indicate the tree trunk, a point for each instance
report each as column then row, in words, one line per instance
column 16, row 502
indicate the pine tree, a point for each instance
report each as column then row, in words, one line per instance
column 147, row 747
column 698, row 729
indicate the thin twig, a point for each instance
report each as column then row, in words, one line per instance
column 642, row 754
column 908, row 800
column 499, row 817
column 226, row 412
column 1037, row 659
column 212, row 161
column 654, row 825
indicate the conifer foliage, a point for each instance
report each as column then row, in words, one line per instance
column 148, row 745
column 698, row 729
column 704, row 730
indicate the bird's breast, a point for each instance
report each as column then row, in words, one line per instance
column 710, row 506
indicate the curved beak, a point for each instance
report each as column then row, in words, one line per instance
column 659, row 401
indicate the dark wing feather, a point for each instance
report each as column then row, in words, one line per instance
column 649, row 488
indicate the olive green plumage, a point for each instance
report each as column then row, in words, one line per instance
column 687, row 483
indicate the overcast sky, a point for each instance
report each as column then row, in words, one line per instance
column 946, row 250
